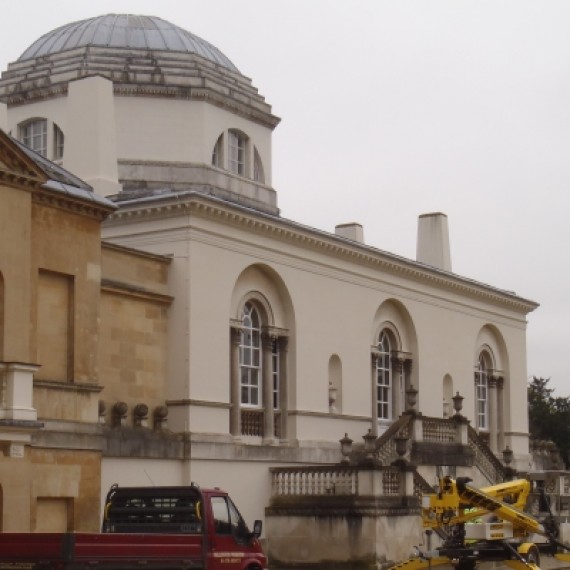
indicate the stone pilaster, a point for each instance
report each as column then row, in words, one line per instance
column 235, row 411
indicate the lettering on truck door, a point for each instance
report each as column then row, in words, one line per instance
column 231, row 536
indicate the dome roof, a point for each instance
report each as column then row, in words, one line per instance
column 125, row 31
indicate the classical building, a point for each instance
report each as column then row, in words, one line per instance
column 221, row 339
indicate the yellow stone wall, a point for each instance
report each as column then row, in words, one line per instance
column 66, row 247
column 15, row 231
column 133, row 342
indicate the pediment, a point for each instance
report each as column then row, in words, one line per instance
column 16, row 167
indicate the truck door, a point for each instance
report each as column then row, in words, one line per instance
column 232, row 539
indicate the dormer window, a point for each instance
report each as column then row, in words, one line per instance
column 43, row 136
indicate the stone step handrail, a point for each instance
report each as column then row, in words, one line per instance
column 487, row 462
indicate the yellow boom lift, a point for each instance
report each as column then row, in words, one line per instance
column 485, row 525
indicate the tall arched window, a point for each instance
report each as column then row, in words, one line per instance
column 384, row 378
column 258, row 375
column 250, row 358
column 482, row 392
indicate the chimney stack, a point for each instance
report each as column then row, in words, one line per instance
column 352, row 231
column 433, row 241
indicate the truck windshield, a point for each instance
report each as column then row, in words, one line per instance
column 153, row 510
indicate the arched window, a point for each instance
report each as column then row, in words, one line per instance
column 234, row 151
column 43, row 136
column 34, row 135
column 482, row 374
column 384, row 378
column 250, row 358
column 258, row 375
column 391, row 376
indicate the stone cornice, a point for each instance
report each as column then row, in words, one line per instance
column 18, row 180
column 306, row 237
column 68, row 386
column 127, row 290
column 136, row 252
column 136, row 72
column 70, row 204
column 200, row 403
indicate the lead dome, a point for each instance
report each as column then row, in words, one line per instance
column 125, row 31
column 138, row 107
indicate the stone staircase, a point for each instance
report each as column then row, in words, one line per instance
column 364, row 511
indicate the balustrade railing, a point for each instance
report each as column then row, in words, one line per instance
column 439, row 430
column 322, row 480
column 252, row 422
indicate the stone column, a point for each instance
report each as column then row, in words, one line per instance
column 235, row 410
column 374, row 373
column 283, row 344
column 17, row 391
column 408, row 366
column 398, row 402
column 267, row 390
column 492, row 402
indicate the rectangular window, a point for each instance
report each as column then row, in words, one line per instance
column 34, row 135
column 236, row 161
column 384, row 388
column 481, row 399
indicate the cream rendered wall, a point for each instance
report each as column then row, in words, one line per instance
column 219, row 120
column 247, row 482
column 180, row 130
column 135, row 472
column 91, row 144
column 54, row 110
column 4, row 117
column 248, row 485
column 90, row 137
column 334, row 302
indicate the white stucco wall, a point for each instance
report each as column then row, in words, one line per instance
column 331, row 306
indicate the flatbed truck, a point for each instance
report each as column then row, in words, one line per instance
column 147, row 528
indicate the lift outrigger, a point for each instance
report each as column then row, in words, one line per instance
column 484, row 525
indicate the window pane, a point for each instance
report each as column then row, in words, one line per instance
column 250, row 356
column 221, row 516
column 34, row 135
column 236, row 150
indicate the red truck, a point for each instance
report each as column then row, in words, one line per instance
column 147, row 528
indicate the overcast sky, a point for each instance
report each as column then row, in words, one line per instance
column 391, row 109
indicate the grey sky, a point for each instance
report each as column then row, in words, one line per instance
column 394, row 109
